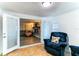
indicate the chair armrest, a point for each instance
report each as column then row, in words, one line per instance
column 63, row 44
column 47, row 41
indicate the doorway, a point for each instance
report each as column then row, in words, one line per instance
column 30, row 32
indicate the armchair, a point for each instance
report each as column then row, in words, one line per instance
column 56, row 48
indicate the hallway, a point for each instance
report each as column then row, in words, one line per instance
column 29, row 40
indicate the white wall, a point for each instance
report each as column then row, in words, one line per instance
column 0, row 33
column 49, row 24
column 27, row 17
column 69, row 23
column 54, row 25
column 20, row 15
column 46, row 27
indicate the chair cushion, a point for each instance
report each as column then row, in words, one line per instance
column 62, row 40
column 53, row 45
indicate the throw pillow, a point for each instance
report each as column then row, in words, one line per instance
column 55, row 39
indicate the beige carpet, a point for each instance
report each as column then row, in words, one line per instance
column 37, row 50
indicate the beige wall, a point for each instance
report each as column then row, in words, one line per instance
column 28, row 25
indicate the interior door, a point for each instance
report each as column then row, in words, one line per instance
column 10, row 33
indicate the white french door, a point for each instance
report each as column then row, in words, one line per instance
column 10, row 33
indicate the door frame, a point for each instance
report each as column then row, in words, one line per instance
column 5, row 50
column 41, row 42
column 41, row 37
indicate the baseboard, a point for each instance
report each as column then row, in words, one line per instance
column 30, row 45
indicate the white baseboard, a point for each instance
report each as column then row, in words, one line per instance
column 29, row 45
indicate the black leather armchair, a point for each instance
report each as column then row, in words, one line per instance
column 56, row 48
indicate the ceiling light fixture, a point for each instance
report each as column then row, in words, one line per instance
column 46, row 4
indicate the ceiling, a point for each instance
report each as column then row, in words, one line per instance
column 35, row 8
